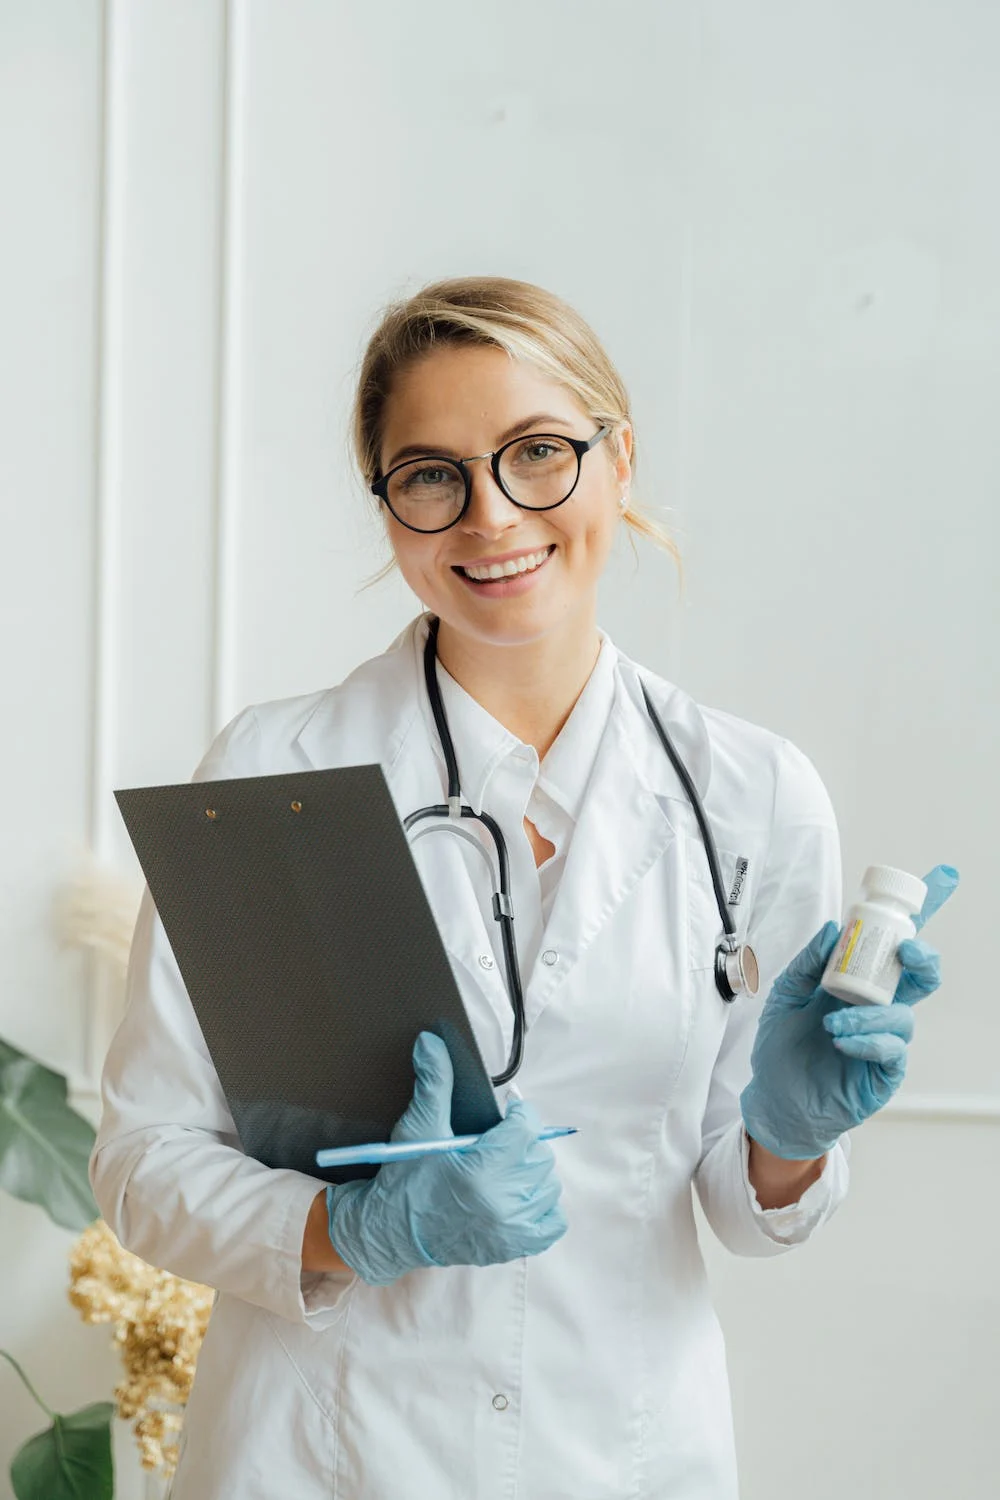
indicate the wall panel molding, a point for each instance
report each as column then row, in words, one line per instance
column 225, row 613
column 98, row 1001
column 162, row 319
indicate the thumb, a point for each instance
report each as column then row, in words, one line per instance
column 799, row 979
column 427, row 1117
column 941, row 883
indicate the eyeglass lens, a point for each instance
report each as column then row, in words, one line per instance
column 537, row 471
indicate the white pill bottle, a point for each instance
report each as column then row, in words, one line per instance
column 863, row 967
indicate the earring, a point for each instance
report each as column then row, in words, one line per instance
column 623, row 500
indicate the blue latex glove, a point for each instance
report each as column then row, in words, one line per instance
column 491, row 1202
column 822, row 1066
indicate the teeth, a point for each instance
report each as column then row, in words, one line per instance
column 508, row 569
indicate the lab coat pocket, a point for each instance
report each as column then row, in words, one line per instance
column 258, row 1421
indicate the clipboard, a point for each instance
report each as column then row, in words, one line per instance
column 310, row 954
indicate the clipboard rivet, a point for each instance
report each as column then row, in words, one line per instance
column 296, row 807
column 210, row 812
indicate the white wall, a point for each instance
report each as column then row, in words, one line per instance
column 783, row 221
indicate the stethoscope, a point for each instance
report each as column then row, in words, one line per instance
column 736, row 969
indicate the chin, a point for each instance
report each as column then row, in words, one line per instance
column 510, row 628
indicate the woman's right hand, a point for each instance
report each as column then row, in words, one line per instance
column 491, row 1202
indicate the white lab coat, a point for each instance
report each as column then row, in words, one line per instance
column 595, row 1371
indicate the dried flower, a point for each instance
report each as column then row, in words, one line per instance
column 96, row 909
column 159, row 1321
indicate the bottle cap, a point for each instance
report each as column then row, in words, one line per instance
column 884, row 880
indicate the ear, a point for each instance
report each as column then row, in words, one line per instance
column 623, row 464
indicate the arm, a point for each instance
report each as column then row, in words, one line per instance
column 777, row 1182
column 318, row 1253
column 756, row 1209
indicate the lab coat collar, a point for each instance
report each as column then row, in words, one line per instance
column 389, row 702
column 685, row 725
column 679, row 713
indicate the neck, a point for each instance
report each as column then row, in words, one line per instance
column 531, row 688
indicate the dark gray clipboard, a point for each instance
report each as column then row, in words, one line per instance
column 310, row 954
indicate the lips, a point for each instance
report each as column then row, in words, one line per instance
column 510, row 567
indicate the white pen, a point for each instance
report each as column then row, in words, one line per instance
column 379, row 1151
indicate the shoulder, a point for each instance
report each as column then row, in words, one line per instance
column 757, row 775
column 742, row 749
column 364, row 708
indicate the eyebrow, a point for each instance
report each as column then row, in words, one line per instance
column 417, row 450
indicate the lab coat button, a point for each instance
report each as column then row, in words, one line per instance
column 550, row 956
column 500, row 1403
column 485, row 961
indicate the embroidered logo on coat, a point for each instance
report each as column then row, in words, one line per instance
column 742, row 865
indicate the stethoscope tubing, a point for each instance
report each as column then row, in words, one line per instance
column 699, row 812
column 503, row 911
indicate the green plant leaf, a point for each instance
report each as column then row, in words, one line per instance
column 44, row 1144
column 71, row 1460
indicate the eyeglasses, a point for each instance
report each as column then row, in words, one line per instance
column 537, row 472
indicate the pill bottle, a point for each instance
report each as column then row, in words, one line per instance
column 863, row 967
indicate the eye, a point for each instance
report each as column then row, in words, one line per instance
column 536, row 452
column 418, row 479
column 540, row 448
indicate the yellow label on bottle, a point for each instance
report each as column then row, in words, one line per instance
column 855, row 931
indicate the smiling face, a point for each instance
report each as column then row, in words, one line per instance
column 469, row 399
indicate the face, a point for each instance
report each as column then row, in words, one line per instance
column 459, row 402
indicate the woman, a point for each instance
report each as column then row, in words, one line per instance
column 526, row 1319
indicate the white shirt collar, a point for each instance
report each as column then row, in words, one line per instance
column 565, row 772
column 482, row 742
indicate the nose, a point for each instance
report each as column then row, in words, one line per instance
column 490, row 512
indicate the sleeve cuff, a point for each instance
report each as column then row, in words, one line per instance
column 797, row 1221
column 316, row 1298
column 324, row 1296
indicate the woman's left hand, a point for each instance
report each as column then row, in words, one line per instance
column 821, row 1066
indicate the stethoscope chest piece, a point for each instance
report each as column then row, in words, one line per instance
column 736, row 971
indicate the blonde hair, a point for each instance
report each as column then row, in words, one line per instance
column 527, row 321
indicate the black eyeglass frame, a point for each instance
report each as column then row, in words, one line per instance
column 580, row 446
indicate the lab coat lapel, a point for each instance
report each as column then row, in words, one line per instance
column 630, row 816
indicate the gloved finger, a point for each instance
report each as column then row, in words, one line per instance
column 941, row 883
column 877, row 1047
column 797, row 982
column 539, row 1157
column 544, row 1198
column 522, row 1109
column 549, row 1228
column 867, row 1020
column 512, row 1138
column 427, row 1117
column 921, row 974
